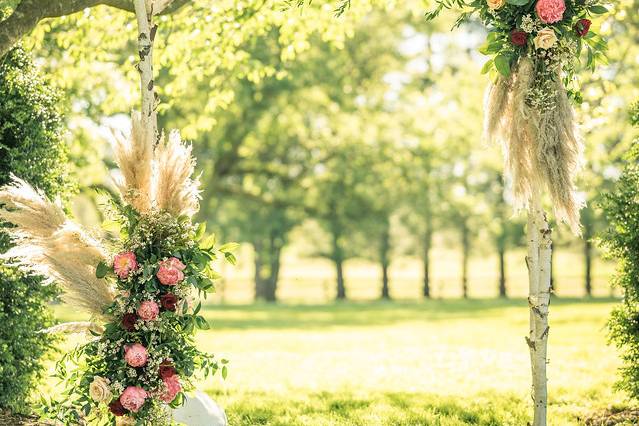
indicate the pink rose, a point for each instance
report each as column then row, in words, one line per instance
column 148, row 310
column 176, row 263
column 133, row 398
column 124, row 263
column 170, row 272
column 173, row 387
column 550, row 11
column 135, row 355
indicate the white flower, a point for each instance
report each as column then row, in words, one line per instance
column 528, row 24
column 99, row 390
column 545, row 39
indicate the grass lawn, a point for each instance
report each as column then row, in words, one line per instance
column 448, row 362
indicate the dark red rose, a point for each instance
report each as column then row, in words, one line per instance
column 518, row 38
column 116, row 408
column 582, row 27
column 168, row 301
column 167, row 370
column 128, row 321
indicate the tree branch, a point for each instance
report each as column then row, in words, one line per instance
column 28, row 13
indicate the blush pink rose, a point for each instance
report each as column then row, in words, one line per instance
column 170, row 272
column 133, row 398
column 173, row 387
column 148, row 310
column 135, row 355
column 124, row 263
column 550, row 11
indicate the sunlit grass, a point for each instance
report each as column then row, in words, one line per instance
column 442, row 362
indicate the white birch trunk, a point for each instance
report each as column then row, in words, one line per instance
column 538, row 260
column 146, row 34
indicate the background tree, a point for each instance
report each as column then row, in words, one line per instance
column 622, row 240
column 31, row 147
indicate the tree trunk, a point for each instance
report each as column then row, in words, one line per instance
column 538, row 260
column 258, row 279
column 384, row 260
column 465, row 256
column 385, row 288
column 502, row 271
column 267, row 267
column 276, row 243
column 337, row 256
column 588, row 261
column 341, row 288
column 428, row 238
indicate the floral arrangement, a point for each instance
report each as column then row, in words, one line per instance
column 142, row 357
column 535, row 49
column 554, row 33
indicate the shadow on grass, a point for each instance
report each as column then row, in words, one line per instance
column 394, row 408
column 353, row 314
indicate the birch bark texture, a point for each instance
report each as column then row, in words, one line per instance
column 146, row 35
column 538, row 261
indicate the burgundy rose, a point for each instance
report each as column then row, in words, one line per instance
column 116, row 408
column 128, row 321
column 518, row 38
column 582, row 27
column 168, row 301
column 167, row 370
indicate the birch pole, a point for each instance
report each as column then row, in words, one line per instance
column 146, row 35
column 538, row 261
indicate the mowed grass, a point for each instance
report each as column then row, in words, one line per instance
column 444, row 362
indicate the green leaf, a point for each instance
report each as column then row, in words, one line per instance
column 502, row 63
column 230, row 258
column 518, row 2
column 598, row 10
column 225, row 372
column 102, row 270
column 202, row 324
column 201, row 230
column 487, row 66
column 228, row 247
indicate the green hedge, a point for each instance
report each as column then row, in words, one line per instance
column 622, row 240
column 31, row 147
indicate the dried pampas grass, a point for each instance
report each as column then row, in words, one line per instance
column 134, row 157
column 541, row 148
column 175, row 191
column 54, row 246
column 29, row 209
column 74, row 328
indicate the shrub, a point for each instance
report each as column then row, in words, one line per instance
column 622, row 241
column 31, row 147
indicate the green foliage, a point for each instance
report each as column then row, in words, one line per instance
column 31, row 147
column 622, row 241
column 23, row 313
column 31, row 132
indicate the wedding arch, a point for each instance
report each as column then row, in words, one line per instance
column 143, row 356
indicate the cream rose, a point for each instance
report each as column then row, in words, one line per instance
column 496, row 4
column 545, row 39
column 99, row 390
column 124, row 421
